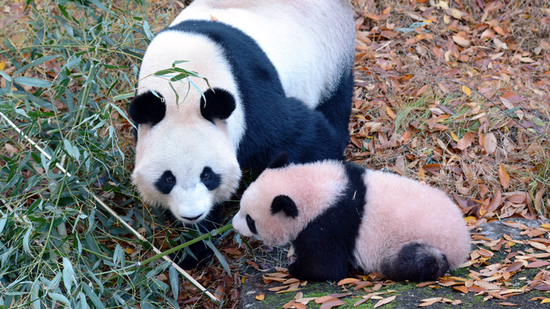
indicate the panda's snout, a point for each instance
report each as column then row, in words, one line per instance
column 191, row 204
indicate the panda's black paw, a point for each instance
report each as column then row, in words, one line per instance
column 415, row 262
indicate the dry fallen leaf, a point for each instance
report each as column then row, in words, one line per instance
column 461, row 288
column 260, row 297
column 465, row 141
column 490, row 143
column 372, row 16
column 537, row 264
column 507, row 304
column 385, row 301
column 461, row 41
column 348, row 281
column 334, row 302
column 504, row 177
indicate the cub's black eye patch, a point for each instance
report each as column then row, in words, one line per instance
column 166, row 182
column 210, row 179
column 251, row 224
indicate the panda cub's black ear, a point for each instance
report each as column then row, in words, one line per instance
column 219, row 104
column 286, row 204
column 147, row 108
column 281, row 160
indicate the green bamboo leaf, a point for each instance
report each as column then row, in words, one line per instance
column 54, row 283
column 163, row 72
column 3, row 222
column 82, row 301
column 174, row 281
column 101, row 6
column 26, row 240
column 220, row 256
column 123, row 96
column 93, row 297
column 118, row 256
column 58, row 297
column 178, row 62
column 68, row 274
column 31, row 81
column 6, row 76
column 35, row 299
column 147, row 30
column 34, row 63
column 179, row 77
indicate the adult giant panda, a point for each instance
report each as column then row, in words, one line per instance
column 335, row 212
column 279, row 79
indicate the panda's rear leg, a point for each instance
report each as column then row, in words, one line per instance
column 415, row 262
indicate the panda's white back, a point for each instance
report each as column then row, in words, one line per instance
column 308, row 67
column 400, row 210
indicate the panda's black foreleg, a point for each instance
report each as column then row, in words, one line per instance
column 415, row 262
column 337, row 107
column 202, row 253
column 319, row 262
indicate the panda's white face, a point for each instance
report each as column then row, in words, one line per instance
column 186, row 151
column 187, row 168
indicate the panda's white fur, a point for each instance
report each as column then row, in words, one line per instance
column 379, row 221
column 309, row 42
column 303, row 38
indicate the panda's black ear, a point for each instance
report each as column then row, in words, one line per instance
column 286, row 204
column 147, row 108
column 219, row 104
column 281, row 160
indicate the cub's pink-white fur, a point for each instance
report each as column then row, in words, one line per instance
column 400, row 227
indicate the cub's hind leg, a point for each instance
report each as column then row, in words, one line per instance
column 415, row 262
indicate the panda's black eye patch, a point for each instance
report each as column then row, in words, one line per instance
column 166, row 182
column 251, row 224
column 147, row 108
column 210, row 179
column 219, row 104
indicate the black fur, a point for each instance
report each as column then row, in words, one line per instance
column 281, row 160
column 251, row 224
column 325, row 246
column 275, row 123
column 147, row 108
column 286, row 204
column 415, row 262
column 210, row 179
column 335, row 109
column 203, row 254
column 166, row 182
column 219, row 104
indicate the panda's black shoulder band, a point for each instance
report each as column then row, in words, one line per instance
column 147, row 108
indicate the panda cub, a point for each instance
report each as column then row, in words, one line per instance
column 335, row 212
